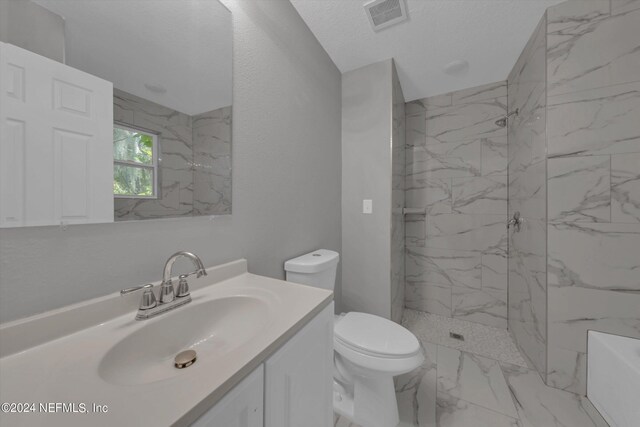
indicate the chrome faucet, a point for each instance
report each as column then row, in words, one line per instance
column 168, row 299
column 166, row 288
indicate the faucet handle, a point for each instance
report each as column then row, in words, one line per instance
column 183, row 286
column 136, row 288
column 148, row 297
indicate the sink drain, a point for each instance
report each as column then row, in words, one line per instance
column 184, row 359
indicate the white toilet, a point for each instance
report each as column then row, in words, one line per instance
column 369, row 350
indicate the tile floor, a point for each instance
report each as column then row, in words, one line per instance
column 481, row 382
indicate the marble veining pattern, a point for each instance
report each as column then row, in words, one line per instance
column 459, row 388
column 446, row 160
column 194, row 160
column 539, row 405
column 428, row 297
column 494, row 156
column 212, row 162
column 467, row 232
column 589, row 48
column 494, row 271
column 453, row 412
column 397, row 201
column 607, row 259
column 567, row 370
column 483, row 306
column 600, row 120
column 456, row 167
column 579, row 189
column 433, row 193
column 594, row 193
column 475, row 379
column 478, row 93
column 527, row 194
column 444, row 266
column 573, row 173
column 483, row 195
column 465, row 121
column 416, row 391
column 625, row 188
column 611, row 312
column 623, row 6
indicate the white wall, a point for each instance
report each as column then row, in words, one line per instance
column 286, row 182
column 366, row 174
column 31, row 26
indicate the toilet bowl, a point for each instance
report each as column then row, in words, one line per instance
column 369, row 350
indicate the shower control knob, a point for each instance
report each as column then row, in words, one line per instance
column 516, row 221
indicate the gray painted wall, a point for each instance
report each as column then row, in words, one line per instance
column 366, row 174
column 286, row 182
column 30, row 26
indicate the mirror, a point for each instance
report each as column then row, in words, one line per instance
column 114, row 110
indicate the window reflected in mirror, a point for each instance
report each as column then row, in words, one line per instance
column 135, row 162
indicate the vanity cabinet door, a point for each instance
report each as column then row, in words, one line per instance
column 56, row 142
column 299, row 377
column 241, row 407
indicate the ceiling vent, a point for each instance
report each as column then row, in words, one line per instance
column 385, row 13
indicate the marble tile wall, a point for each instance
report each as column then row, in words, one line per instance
column 212, row 162
column 527, row 195
column 456, row 168
column 195, row 160
column 593, row 131
column 397, row 200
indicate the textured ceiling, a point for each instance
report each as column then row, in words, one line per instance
column 184, row 46
column 489, row 34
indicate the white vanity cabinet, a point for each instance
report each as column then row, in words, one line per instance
column 56, row 142
column 299, row 377
column 293, row 388
column 241, row 407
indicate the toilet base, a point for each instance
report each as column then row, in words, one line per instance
column 372, row 404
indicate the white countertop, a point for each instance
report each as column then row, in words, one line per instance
column 62, row 364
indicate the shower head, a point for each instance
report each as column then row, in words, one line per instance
column 502, row 122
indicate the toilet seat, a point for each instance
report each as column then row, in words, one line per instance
column 375, row 343
column 375, row 335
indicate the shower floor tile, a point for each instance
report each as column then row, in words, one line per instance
column 476, row 384
column 481, row 340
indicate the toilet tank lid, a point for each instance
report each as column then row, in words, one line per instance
column 313, row 262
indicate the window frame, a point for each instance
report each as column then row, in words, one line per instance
column 154, row 164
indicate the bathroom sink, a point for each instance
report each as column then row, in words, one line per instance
column 213, row 328
column 97, row 352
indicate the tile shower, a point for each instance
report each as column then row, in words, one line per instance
column 456, row 260
column 571, row 167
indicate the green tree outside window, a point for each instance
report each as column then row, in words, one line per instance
column 135, row 163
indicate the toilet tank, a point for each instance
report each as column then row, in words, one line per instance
column 317, row 269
